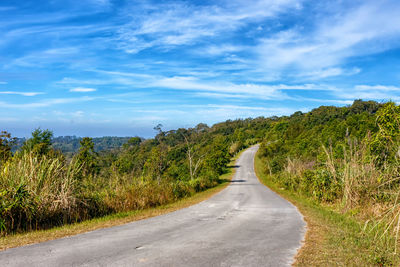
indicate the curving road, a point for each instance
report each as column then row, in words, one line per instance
column 246, row 224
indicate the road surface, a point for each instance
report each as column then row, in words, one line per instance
column 246, row 224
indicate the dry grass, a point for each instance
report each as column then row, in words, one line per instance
column 104, row 222
column 41, row 192
column 332, row 238
column 16, row 240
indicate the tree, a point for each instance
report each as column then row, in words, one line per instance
column 39, row 143
column 158, row 128
column 202, row 127
column 132, row 142
column 160, row 134
column 156, row 163
column 194, row 158
column 218, row 156
column 6, row 144
column 384, row 143
column 87, row 156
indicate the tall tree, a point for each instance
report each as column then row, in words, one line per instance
column 218, row 156
column 39, row 143
column 87, row 156
column 156, row 163
column 6, row 144
column 194, row 157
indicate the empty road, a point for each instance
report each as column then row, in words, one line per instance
column 246, row 224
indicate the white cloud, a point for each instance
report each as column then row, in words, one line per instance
column 213, row 87
column 120, row 73
column 181, row 24
column 373, row 92
column 214, row 50
column 202, row 87
column 82, row 90
column 361, row 27
column 67, row 80
column 45, row 57
column 221, row 96
column 21, row 93
column 249, row 89
column 329, row 72
column 365, row 29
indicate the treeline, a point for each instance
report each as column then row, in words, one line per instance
column 344, row 157
column 71, row 144
column 41, row 187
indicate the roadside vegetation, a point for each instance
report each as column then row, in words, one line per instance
column 25, row 238
column 340, row 166
column 41, row 188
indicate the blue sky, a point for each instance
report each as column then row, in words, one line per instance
column 104, row 67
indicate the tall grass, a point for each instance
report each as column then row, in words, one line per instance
column 353, row 182
column 42, row 192
column 37, row 191
column 371, row 191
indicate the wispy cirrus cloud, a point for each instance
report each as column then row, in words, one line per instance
column 329, row 72
column 252, row 90
column 215, row 89
column 82, row 90
column 69, row 81
column 21, row 93
column 179, row 23
column 215, row 50
column 335, row 39
column 44, row 58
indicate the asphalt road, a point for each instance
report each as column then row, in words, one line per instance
column 246, row 224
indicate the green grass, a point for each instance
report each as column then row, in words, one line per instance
column 332, row 238
column 21, row 239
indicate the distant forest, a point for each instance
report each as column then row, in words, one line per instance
column 71, row 144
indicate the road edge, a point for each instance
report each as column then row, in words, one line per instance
column 305, row 231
